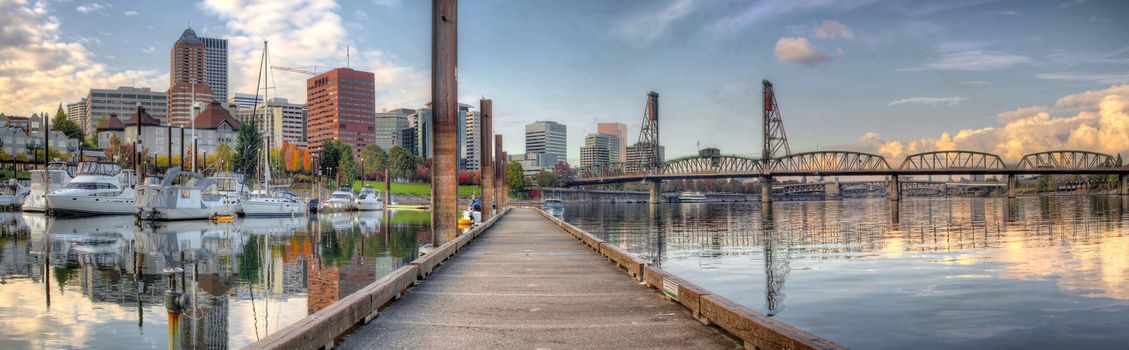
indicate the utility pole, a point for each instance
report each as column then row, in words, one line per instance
column 445, row 106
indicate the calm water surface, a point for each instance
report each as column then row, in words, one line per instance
column 100, row 282
column 970, row 273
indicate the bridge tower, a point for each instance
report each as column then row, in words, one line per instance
column 648, row 152
column 775, row 140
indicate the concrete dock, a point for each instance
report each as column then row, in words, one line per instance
column 528, row 284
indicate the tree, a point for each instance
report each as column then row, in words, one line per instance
column 66, row 126
column 546, row 179
column 114, row 148
column 92, row 141
column 247, row 146
column 515, row 177
column 402, row 163
column 306, row 163
column 563, row 172
column 224, row 154
column 375, row 161
column 337, row 160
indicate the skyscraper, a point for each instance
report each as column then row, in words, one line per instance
column 341, row 105
column 215, row 66
column 187, row 77
column 123, row 102
column 618, row 152
column 76, row 112
column 549, row 138
column 389, row 126
column 473, row 122
column 597, row 149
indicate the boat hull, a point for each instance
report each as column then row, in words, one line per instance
column 160, row 214
column 35, row 202
column 257, row 208
column 63, row 205
column 370, row 206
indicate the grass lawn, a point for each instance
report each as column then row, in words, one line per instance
column 413, row 188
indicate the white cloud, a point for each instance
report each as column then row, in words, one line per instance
column 762, row 10
column 1071, row 3
column 650, row 26
column 925, row 100
column 974, row 60
column 40, row 69
column 800, row 50
column 1101, row 124
column 831, row 29
column 150, row 49
column 1097, row 78
column 306, row 33
column 388, row 3
column 1011, row 13
column 92, row 7
column 130, row 13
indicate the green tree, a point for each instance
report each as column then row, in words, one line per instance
column 402, row 163
column 337, row 160
column 248, row 143
column 1046, row 183
column 375, row 161
column 66, row 126
column 515, row 177
column 224, row 153
column 547, row 179
column 92, row 141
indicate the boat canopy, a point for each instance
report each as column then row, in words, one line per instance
column 98, row 168
column 177, row 177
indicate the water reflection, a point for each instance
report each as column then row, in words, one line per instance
column 100, row 282
column 923, row 273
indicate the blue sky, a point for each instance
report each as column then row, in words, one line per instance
column 880, row 76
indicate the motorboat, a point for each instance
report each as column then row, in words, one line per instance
column 472, row 215
column 553, row 206
column 692, row 197
column 340, row 200
column 182, row 195
column 98, row 189
column 369, row 199
column 43, row 181
column 265, row 203
column 13, row 194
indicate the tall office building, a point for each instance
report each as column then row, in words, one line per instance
column 619, row 152
column 341, row 105
column 549, row 138
column 76, row 112
column 243, row 100
column 422, row 128
column 473, row 122
column 279, row 121
column 215, row 66
column 592, row 156
column 187, row 77
column 598, row 149
column 389, row 127
column 122, row 102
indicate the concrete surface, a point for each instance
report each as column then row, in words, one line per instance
column 526, row 284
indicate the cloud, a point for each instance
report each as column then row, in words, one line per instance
column 800, row 50
column 40, row 69
column 974, row 60
column 130, row 13
column 306, row 33
column 762, row 10
column 92, row 7
column 1097, row 78
column 1101, row 125
column 388, row 3
column 832, row 29
column 1011, row 13
column 1071, row 3
column 924, row 100
column 150, row 49
column 650, row 26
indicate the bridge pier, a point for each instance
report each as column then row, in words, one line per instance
column 895, row 189
column 1011, row 182
column 766, row 189
column 656, row 191
column 1123, row 184
column 831, row 190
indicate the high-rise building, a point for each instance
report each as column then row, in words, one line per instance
column 279, row 121
column 549, row 138
column 215, row 66
column 598, row 149
column 423, row 132
column 122, row 102
column 619, row 152
column 341, row 105
column 76, row 112
column 471, row 141
column 243, row 100
column 389, row 127
column 188, row 81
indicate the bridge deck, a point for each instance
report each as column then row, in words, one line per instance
column 527, row 284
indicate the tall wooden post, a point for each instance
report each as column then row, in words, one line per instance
column 499, row 174
column 196, row 150
column 486, row 158
column 505, row 200
column 445, row 124
column 387, row 190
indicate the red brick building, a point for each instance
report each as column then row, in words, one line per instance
column 186, row 78
column 341, row 105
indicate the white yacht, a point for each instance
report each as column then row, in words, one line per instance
column 182, row 195
column 340, row 200
column 692, row 197
column 14, row 193
column 43, row 181
column 264, row 203
column 369, row 199
column 99, row 189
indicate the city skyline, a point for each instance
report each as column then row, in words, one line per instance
column 891, row 78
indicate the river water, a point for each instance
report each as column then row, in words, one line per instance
column 100, row 282
column 939, row 273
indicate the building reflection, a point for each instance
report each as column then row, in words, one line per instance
column 255, row 264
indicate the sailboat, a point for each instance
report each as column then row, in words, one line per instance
column 267, row 200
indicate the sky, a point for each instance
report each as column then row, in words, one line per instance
column 888, row 77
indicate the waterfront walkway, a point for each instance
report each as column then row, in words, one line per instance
column 527, row 284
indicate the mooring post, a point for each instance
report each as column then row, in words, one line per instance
column 499, row 174
column 1011, row 182
column 486, row 157
column 766, row 189
column 504, row 201
column 387, row 189
column 444, row 128
column 895, row 188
